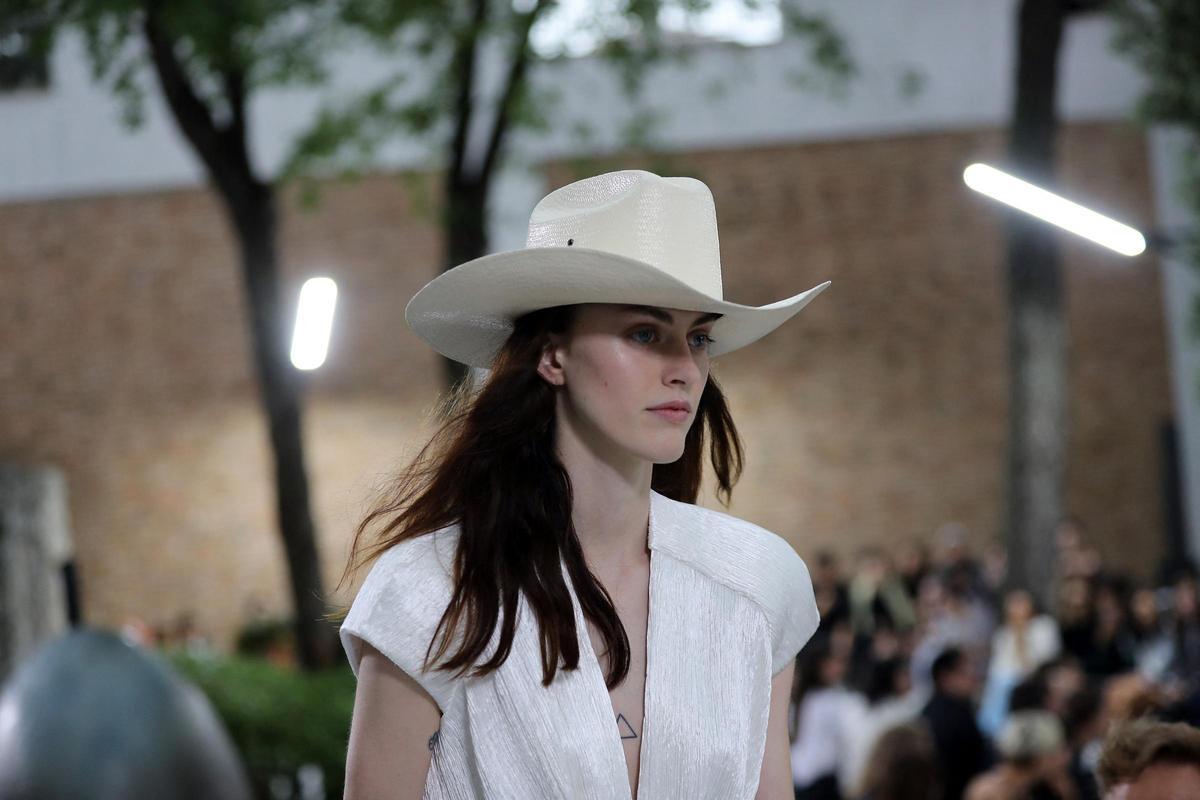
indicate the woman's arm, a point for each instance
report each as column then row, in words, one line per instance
column 391, row 732
column 775, row 780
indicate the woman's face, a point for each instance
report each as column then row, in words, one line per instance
column 1144, row 606
column 833, row 670
column 616, row 364
column 1018, row 607
column 1185, row 598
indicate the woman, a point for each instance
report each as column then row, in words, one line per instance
column 824, row 715
column 1024, row 642
column 558, row 499
column 1152, row 647
column 890, row 701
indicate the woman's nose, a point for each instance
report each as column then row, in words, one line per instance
column 681, row 367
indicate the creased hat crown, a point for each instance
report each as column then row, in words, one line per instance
column 668, row 223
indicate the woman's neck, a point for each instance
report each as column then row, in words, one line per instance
column 610, row 504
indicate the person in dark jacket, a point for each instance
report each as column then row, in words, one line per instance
column 962, row 750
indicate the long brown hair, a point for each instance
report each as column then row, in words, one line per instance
column 492, row 468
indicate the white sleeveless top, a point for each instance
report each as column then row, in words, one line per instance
column 731, row 604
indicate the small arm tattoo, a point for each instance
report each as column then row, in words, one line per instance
column 433, row 740
column 627, row 731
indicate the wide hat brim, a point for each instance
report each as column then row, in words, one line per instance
column 467, row 313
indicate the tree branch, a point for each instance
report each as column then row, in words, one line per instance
column 464, row 60
column 235, row 135
column 514, row 83
column 193, row 116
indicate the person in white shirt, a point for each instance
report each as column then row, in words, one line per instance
column 890, row 700
column 823, row 712
column 1023, row 643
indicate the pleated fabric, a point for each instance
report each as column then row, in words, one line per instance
column 731, row 604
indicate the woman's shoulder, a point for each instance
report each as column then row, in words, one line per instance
column 725, row 547
column 745, row 558
column 430, row 554
column 408, row 586
column 399, row 604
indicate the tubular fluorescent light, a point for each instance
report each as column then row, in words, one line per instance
column 1054, row 209
column 314, row 318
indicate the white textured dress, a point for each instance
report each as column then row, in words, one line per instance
column 730, row 605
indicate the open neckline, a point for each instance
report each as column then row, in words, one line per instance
column 613, row 737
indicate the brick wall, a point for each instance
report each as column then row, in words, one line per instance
column 874, row 416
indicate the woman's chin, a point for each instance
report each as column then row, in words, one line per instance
column 667, row 454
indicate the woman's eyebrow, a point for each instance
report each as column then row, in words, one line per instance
column 665, row 316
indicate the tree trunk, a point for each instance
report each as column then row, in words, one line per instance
column 1037, row 335
column 465, row 237
column 250, row 204
column 255, row 219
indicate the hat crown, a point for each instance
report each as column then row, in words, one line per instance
column 667, row 223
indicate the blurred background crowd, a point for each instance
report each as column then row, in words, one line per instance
column 928, row 678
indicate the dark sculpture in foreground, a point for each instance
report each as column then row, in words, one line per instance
column 89, row 717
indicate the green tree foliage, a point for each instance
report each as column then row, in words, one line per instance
column 1162, row 37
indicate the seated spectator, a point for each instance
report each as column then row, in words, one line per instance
column 1152, row 648
column 1075, row 618
column 1063, row 678
column 1148, row 760
column 993, row 573
column 952, row 616
column 820, row 723
column 1031, row 694
column 1110, row 650
column 1068, row 541
column 890, row 702
column 902, row 766
column 1034, row 765
column 1023, row 643
column 950, row 551
column 912, row 565
column 962, row 750
column 830, row 591
column 878, row 596
column 1076, row 558
column 1184, row 629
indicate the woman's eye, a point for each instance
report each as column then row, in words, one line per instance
column 650, row 335
column 643, row 335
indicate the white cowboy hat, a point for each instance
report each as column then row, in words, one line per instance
column 621, row 237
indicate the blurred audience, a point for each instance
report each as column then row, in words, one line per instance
column 962, row 750
column 1034, row 762
column 890, row 701
column 886, row 696
column 821, row 721
column 1025, row 641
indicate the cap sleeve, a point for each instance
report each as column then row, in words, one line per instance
column 791, row 604
column 398, row 607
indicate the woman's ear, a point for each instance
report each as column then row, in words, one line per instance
column 550, row 363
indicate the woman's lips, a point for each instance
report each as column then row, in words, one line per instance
column 671, row 414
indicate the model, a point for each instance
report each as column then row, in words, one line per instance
column 547, row 612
